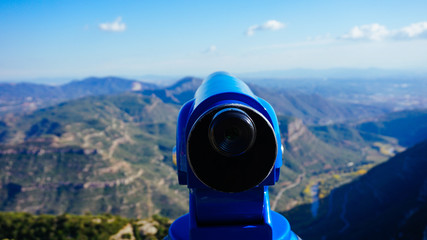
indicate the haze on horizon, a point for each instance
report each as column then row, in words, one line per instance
column 69, row 40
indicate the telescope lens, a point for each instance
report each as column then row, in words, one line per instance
column 231, row 148
column 232, row 132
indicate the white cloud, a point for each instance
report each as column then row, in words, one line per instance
column 116, row 26
column 377, row 32
column 271, row 25
column 210, row 49
column 374, row 32
column 415, row 30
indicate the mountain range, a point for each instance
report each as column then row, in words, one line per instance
column 311, row 107
column 93, row 153
column 104, row 145
column 25, row 97
column 342, row 73
column 410, row 127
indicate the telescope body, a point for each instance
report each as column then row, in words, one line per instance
column 228, row 151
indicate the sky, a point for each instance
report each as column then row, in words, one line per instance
column 77, row 39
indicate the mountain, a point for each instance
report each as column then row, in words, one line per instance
column 333, row 154
column 313, row 108
column 108, row 153
column 100, row 86
column 23, row 97
column 342, row 73
column 111, row 152
column 177, row 93
column 27, row 97
column 394, row 93
column 94, row 152
column 410, row 127
column 388, row 202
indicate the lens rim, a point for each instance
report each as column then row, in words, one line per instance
column 231, row 181
column 218, row 121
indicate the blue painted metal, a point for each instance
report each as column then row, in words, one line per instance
column 220, row 215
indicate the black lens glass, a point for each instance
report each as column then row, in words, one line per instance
column 232, row 132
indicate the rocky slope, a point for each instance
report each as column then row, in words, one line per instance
column 96, row 154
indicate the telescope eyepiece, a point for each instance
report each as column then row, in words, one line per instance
column 231, row 148
column 232, row 132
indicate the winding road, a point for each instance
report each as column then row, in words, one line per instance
column 280, row 193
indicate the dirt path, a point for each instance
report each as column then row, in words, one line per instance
column 86, row 138
column 116, row 142
column 280, row 193
column 149, row 193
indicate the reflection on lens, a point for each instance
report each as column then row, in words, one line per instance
column 232, row 132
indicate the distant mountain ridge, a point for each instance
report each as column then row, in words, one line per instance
column 23, row 97
column 312, row 108
column 99, row 86
column 362, row 73
column 178, row 93
column 410, row 126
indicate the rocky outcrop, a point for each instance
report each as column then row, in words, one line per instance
column 295, row 130
column 147, row 227
column 125, row 233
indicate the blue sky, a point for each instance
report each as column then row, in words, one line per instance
column 76, row 39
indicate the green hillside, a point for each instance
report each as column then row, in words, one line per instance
column 66, row 226
column 96, row 154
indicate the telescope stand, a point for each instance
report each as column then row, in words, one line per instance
column 273, row 226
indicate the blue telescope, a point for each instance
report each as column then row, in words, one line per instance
column 228, row 152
